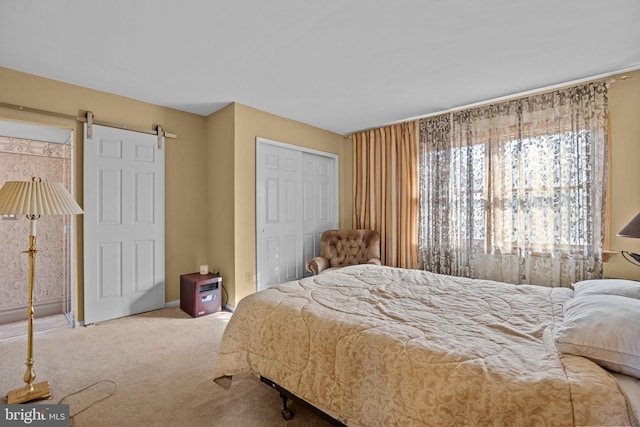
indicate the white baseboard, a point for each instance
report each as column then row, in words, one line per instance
column 46, row 308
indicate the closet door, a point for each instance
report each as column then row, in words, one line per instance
column 279, row 215
column 296, row 200
column 319, row 202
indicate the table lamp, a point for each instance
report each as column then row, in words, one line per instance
column 632, row 229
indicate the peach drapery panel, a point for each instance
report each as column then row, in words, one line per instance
column 386, row 190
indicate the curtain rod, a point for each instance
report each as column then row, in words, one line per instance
column 611, row 75
column 84, row 120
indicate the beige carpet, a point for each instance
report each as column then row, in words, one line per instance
column 161, row 364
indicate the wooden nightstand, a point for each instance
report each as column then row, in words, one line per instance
column 200, row 294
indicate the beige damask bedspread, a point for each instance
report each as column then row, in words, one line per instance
column 380, row 346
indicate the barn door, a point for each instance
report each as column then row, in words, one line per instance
column 123, row 224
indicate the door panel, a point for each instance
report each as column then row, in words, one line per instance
column 109, row 270
column 296, row 201
column 110, row 197
column 123, row 224
column 319, row 199
column 143, row 197
column 279, row 254
column 144, row 262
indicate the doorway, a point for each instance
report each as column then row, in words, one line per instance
column 296, row 200
column 26, row 151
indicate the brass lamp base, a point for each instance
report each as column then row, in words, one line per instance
column 22, row 394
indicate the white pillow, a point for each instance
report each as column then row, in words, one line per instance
column 605, row 329
column 621, row 287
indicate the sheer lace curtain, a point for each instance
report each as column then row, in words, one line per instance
column 385, row 169
column 515, row 191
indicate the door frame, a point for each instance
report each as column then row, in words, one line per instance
column 34, row 130
column 260, row 143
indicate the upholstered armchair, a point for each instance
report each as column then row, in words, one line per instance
column 339, row 248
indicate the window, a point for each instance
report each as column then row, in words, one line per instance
column 515, row 191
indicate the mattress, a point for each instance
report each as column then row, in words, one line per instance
column 630, row 386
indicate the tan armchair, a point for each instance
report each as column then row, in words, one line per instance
column 339, row 248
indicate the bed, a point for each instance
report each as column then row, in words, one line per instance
column 381, row 346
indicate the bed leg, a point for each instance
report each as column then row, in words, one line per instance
column 287, row 413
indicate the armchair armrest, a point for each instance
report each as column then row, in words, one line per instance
column 375, row 261
column 317, row 264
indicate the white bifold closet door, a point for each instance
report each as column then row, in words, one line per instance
column 123, row 224
column 296, row 200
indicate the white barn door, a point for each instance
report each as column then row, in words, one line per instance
column 123, row 224
column 296, row 199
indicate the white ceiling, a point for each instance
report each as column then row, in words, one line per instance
column 340, row 65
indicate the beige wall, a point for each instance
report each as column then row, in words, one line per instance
column 186, row 213
column 239, row 273
column 210, row 173
column 215, row 157
column 624, row 109
column 220, row 134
